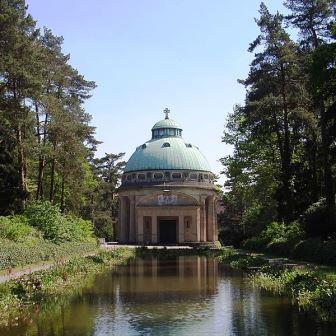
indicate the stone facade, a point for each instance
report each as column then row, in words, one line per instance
column 167, row 192
column 188, row 210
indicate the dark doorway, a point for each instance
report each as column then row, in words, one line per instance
column 167, row 228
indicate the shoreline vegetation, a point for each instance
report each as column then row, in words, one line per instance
column 311, row 288
column 21, row 298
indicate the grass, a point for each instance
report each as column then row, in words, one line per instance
column 25, row 294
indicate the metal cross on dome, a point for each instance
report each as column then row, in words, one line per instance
column 166, row 111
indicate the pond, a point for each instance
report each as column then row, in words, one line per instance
column 186, row 295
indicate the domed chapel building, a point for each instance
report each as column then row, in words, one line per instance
column 167, row 194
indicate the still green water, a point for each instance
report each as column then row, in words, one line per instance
column 188, row 295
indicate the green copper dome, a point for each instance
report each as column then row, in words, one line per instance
column 166, row 123
column 167, row 151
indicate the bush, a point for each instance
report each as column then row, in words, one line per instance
column 276, row 238
column 56, row 227
column 103, row 225
column 315, row 219
column 15, row 228
column 13, row 254
column 48, row 218
column 80, row 229
column 255, row 243
column 316, row 250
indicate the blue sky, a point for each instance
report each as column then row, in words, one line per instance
column 146, row 55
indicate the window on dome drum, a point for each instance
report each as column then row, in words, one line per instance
column 149, row 175
column 206, row 176
column 193, row 176
column 167, row 175
column 201, row 177
column 141, row 176
column 171, row 131
column 161, row 132
column 133, row 176
column 176, row 175
column 129, row 177
column 166, row 144
column 188, row 145
column 158, row 176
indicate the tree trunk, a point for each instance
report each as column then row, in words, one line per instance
column 52, row 176
column 21, row 160
column 42, row 158
column 327, row 172
column 62, row 190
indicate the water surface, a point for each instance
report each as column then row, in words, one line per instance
column 188, row 295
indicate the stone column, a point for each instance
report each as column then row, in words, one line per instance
column 210, row 221
column 117, row 233
column 123, row 220
column 215, row 224
column 140, row 229
column 198, row 225
column 132, row 238
column 181, row 229
column 203, row 220
column 154, row 230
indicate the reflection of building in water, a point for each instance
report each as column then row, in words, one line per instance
column 164, row 293
column 183, row 275
column 167, row 194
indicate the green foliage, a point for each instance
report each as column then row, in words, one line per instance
column 276, row 238
column 17, row 297
column 218, row 244
column 108, row 171
column 15, row 228
column 43, row 233
column 103, row 225
column 81, row 230
column 55, row 226
column 283, row 136
column 48, row 218
column 308, row 289
column 34, row 250
column 315, row 219
column 316, row 250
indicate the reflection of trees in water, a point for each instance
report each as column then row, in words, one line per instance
column 180, row 296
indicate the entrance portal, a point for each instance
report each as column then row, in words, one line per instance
column 167, row 230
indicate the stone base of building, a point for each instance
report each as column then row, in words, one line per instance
column 177, row 216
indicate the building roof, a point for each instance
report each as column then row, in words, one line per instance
column 166, row 123
column 169, row 152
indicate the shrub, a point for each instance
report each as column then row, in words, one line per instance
column 56, row 227
column 48, row 218
column 103, row 225
column 80, row 229
column 316, row 250
column 315, row 219
column 255, row 243
column 308, row 249
column 276, row 238
column 13, row 254
column 15, row 227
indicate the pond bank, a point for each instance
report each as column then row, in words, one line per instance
column 309, row 287
column 25, row 294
